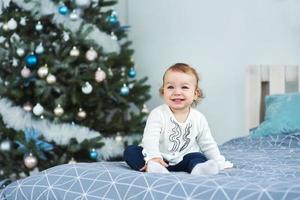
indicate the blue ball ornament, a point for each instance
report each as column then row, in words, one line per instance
column 112, row 19
column 93, row 154
column 31, row 61
column 124, row 90
column 132, row 72
column 63, row 10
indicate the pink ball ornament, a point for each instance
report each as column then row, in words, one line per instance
column 100, row 75
column 25, row 72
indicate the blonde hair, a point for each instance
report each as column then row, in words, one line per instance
column 184, row 68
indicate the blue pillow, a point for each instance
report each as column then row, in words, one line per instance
column 282, row 115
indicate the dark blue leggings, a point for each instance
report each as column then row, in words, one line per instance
column 134, row 158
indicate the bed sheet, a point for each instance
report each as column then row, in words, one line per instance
column 265, row 168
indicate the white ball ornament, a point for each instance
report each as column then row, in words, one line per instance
column 5, row 27
column 12, row 24
column 20, row 52
column 91, row 54
column 74, row 52
column 5, row 145
column 81, row 114
column 39, row 26
column 100, row 75
column 51, row 79
column 39, row 49
column 25, row 72
column 27, row 107
column 87, row 88
column 58, row 111
column 74, row 15
column 83, row 3
column 38, row 109
column 43, row 71
column 30, row 161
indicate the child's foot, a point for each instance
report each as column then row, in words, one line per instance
column 154, row 167
column 209, row 167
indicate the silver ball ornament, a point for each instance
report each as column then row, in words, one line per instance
column 51, row 79
column 58, row 111
column 81, row 114
column 43, row 71
column 74, row 52
column 30, row 161
column 27, row 107
column 5, row 27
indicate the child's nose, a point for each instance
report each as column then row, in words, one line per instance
column 177, row 91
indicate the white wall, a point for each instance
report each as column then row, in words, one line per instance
column 219, row 38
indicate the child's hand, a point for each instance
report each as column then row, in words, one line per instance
column 158, row 160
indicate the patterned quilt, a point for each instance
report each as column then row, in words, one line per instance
column 265, row 168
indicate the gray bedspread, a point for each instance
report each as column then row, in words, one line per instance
column 265, row 168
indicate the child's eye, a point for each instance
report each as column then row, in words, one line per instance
column 185, row 87
column 170, row 87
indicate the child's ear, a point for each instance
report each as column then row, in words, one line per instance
column 197, row 93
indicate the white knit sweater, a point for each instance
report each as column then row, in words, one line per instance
column 169, row 139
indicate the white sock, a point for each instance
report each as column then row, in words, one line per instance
column 154, row 167
column 209, row 167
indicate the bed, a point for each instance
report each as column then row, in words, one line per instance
column 266, row 163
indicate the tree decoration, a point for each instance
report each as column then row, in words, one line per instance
column 58, row 110
column 5, row 27
column 43, row 71
column 87, row 88
column 81, row 114
column 51, row 79
column 20, row 52
column 100, row 75
column 91, row 54
column 63, row 10
column 12, row 24
column 25, row 72
column 74, row 15
column 38, row 109
column 145, row 109
column 31, row 61
column 39, row 49
column 27, row 106
column 131, row 72
column 30, row 161
column 93, row 154
column 5, row 145
column 74, row 52
column 83, row 3
column 124, row 90
column 39, row 26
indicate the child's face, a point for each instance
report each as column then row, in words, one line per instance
column 179, row 90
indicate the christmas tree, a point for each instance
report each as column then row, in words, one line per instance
column 68, row 84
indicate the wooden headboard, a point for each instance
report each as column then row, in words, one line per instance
column 262, row 80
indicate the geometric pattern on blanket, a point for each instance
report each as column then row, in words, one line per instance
column 265, row 168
